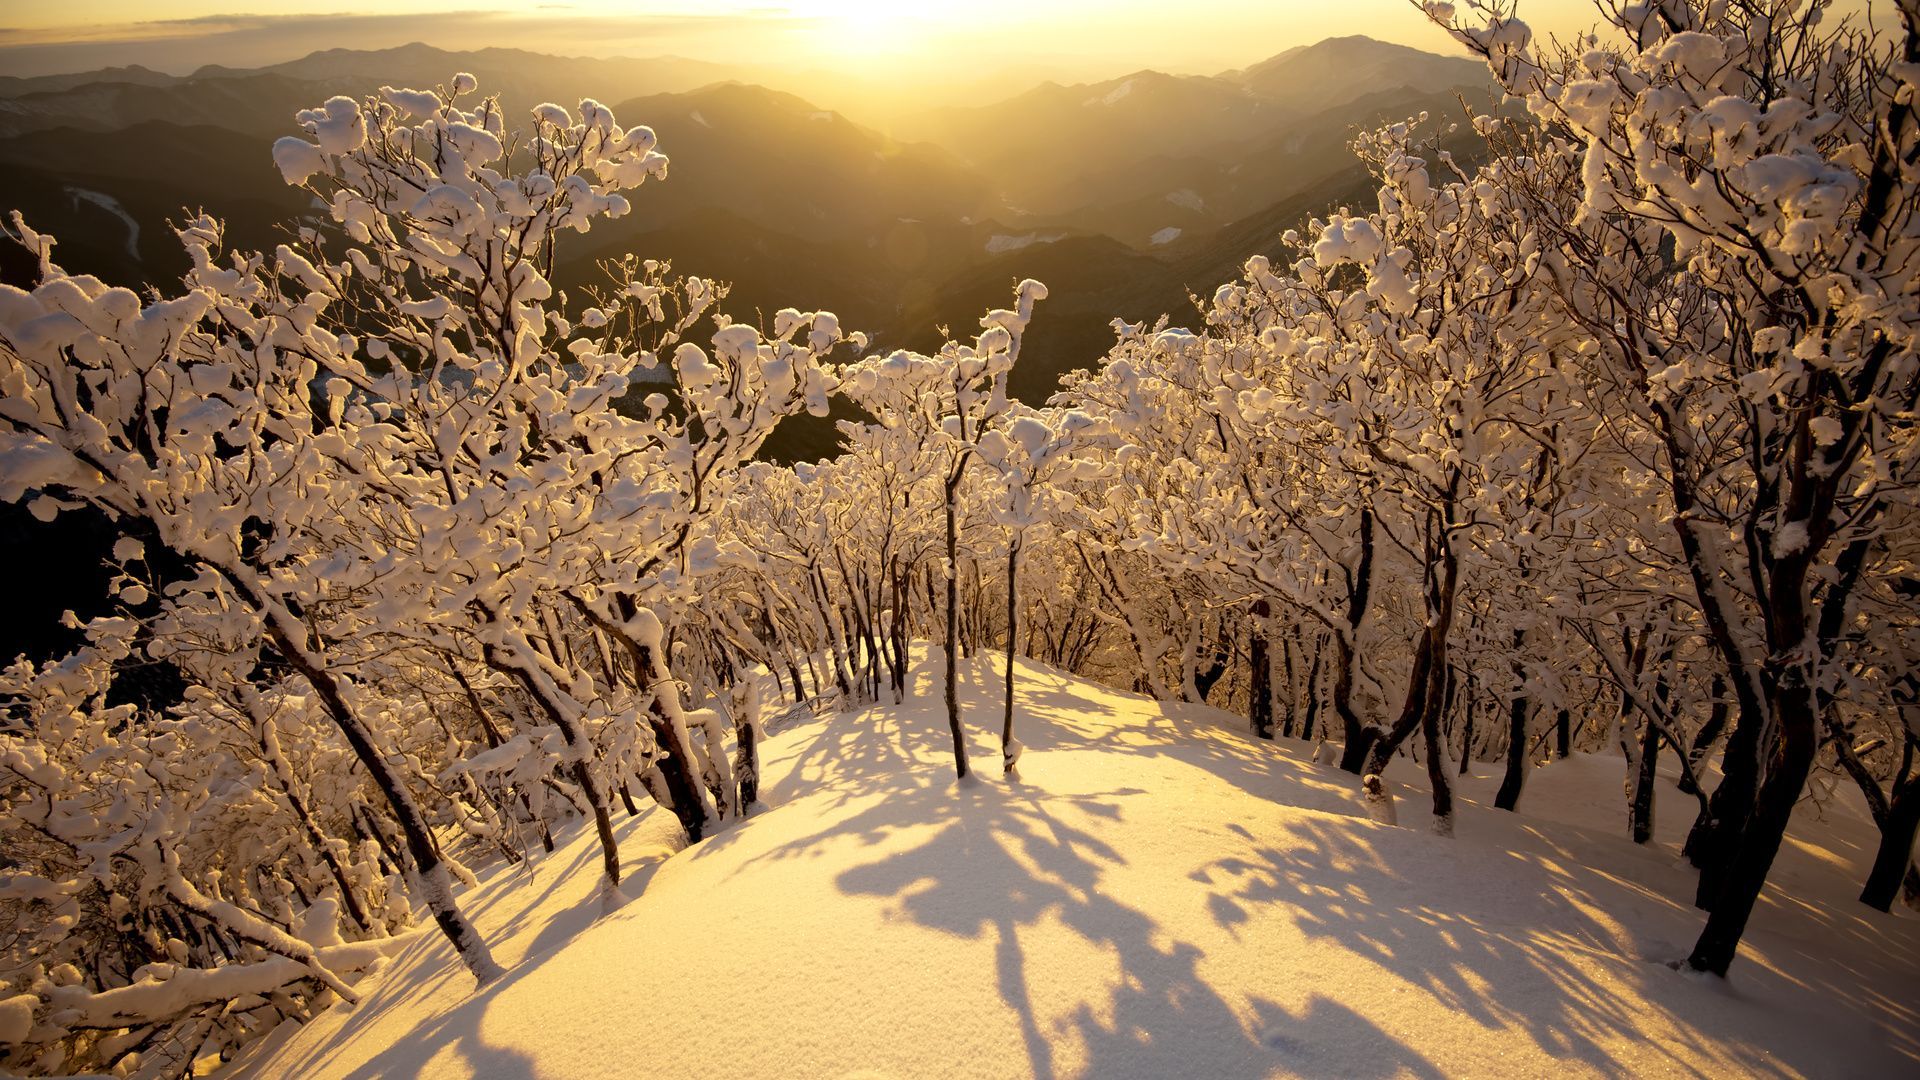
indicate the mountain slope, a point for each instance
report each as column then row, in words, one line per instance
column 14, row 85
column 263, row 100
column 1130, row 193
column 1157, row 895
column 1145, row 155
column 108, row 199
column 776, row 159
column 1338, row 70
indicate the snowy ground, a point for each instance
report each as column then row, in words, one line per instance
column 1157, row 895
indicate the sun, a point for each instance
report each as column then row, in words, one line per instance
column 853, row 29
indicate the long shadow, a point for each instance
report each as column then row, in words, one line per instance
column 1001, row 861
column 1328, row 1041
column 1004, row 863
column 458, row 1029
column 1400, row 910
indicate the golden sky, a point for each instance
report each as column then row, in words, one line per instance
column 837, row 51
column 947, row 37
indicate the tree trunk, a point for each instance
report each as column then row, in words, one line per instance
column 521, row 670
column 1260, row 675
column 746, row 731
column 1010, row 750
column 1466, row 742
column 1640, row 796
column 953, row 630
column 1895, row 818
column 1708, row 734
column 1746, row 870
column 269, row 737
column 1640, row 813
column 1292, row 684
column 1437, row 751
column 1313, row 693
column 1893, row 862
column 430, row 871
column 1714, row 838
column 1518, row 748
column 675, row 762
column 1359, row 737
column 1380, row 753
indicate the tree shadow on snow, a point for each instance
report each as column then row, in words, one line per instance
column 457, row 1030
column 1005, row 863
column 1437, row 929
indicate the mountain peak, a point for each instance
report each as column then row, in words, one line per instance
column 1340, row 69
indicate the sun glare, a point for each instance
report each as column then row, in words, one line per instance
column 862, row 29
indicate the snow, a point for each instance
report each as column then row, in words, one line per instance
column 1002, row 242
column 1112, row 96
column 698, row 119
column 297, row 158
column 16, row 1018
column 112, row 206
column 1156, row 895
column 1165, row 236
column 1187, row 198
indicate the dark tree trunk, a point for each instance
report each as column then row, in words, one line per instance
column 1259, row 675
column 746, row 752
column 675, row 761
column 953, row 630
column 1893, row 862
column 1359, row 737
column 1518, row 747
column 1437, row 754
column 1746, row 870
column 1292, row 685
column 1640, row 812
column 1422, row 688
column 1708, row 734
column 1466, row 742
column 1313, row 694
column 1895, row 818
column 1714, row 837
column 321, row 844
column 1640, row 801
column 1205, row 681
column 1563, row 734
column 1008, row 753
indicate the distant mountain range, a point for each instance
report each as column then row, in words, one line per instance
column 1123, row 195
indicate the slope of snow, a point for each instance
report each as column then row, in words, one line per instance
column 1188, row 199
column 1113, row 96
column 1003, row 242
column 1165, row 236
column 1155, row 895
column 112, row 206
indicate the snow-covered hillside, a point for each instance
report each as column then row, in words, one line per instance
column 1156, row 895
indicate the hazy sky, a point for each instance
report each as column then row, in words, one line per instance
column 940, row 40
